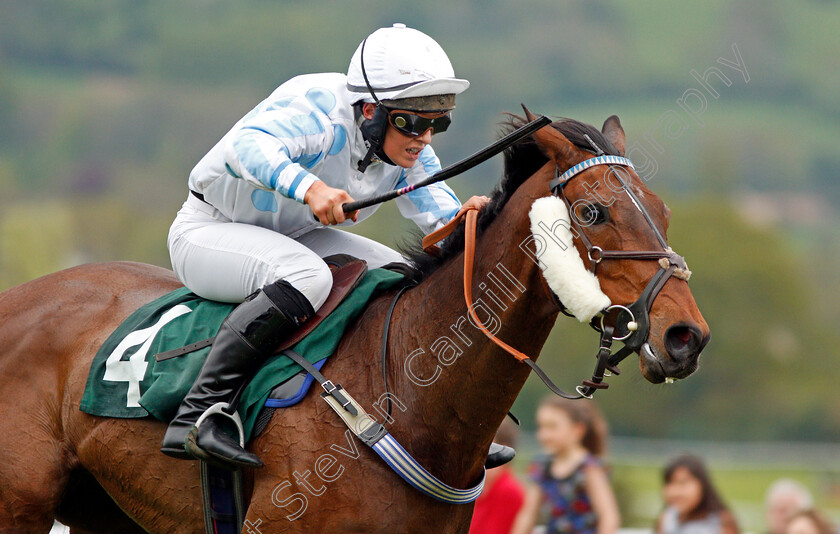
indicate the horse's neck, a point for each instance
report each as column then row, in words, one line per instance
column 459, row 383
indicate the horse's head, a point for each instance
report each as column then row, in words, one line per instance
column 619, row 229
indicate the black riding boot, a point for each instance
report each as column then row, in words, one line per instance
column 248, row 336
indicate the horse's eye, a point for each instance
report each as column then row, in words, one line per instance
column 589, row 214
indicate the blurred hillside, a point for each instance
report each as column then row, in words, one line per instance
column 730, row 107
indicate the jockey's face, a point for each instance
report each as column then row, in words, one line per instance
column 404, row 150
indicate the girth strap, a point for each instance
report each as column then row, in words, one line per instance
column 376, row 436
column 333, row 390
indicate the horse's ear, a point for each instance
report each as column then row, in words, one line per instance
column 614, row 132
column 552, row 143
column 528, row 115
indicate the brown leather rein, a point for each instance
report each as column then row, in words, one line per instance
column 587, row 387
column 631, row 321
column 471, row 215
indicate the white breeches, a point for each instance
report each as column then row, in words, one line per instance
column 225, row 261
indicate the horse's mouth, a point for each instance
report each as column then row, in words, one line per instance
column 657, row 368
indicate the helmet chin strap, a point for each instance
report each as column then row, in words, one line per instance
column 373, row 129
column 373, row 132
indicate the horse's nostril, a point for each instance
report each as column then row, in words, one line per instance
column 683, row 341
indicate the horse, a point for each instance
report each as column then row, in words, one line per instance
column 448, row 386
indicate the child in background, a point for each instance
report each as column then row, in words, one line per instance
column 693, row 505
column 571, row 479
column 502, row 498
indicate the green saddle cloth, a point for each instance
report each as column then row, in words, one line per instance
column 126, row 381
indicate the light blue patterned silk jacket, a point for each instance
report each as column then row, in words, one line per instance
column 305, row 131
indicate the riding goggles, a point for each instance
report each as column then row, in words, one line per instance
column 412, row 124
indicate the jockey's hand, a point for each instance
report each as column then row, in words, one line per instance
column 325, row 202
column 478, row 202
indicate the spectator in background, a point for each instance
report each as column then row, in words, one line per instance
column 692, row 504
column 571, row 480
column 809, row 522
column 785, row 497
column 503, row 495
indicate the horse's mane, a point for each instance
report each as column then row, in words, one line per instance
column 522, row 160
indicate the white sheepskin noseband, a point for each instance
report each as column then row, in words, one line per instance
column 576, row 287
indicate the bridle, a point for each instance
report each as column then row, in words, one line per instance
column 631, row 324
column 634, row 329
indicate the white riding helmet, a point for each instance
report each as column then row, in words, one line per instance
column 401, row 62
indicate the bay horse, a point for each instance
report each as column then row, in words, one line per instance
column 448, row 385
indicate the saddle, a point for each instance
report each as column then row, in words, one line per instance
column 126, row 381
column 347, row 271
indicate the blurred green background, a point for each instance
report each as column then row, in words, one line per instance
column 106, row 105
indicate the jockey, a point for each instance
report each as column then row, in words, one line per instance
column 262, row 202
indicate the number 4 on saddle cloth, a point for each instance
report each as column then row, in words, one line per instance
column 127, row 381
